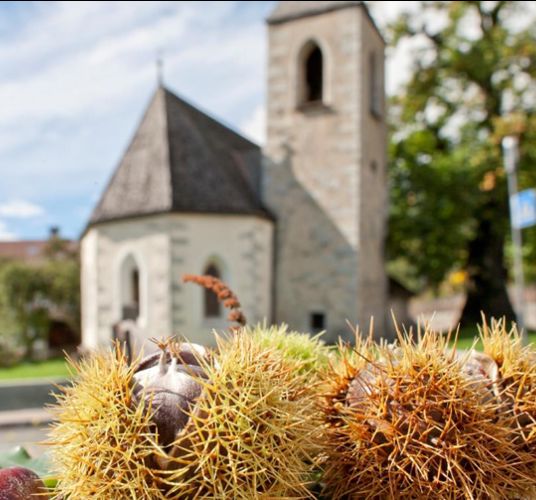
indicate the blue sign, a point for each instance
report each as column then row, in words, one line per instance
column 523, row 206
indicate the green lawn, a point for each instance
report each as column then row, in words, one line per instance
column 50, row 368
column 467, row 337
column 57, row 367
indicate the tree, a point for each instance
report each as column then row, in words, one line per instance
column 30, row 295
column 23, row 290
column 63, row 277
column 473, row 82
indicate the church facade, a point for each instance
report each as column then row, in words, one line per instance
column 296, row 230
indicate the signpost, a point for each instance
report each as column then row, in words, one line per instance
column 523, row 208
column 522, row 214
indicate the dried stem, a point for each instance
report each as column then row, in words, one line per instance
column 223, row 292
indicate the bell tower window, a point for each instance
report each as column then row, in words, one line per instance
column 311, row 74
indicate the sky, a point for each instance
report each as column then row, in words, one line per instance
column 75, row 78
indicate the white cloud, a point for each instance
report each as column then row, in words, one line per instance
column 5, row 234
column 20, row 209
column 105, row 60
column 255, row 126
column 66, row 74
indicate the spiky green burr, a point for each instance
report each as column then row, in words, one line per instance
column 243, row 422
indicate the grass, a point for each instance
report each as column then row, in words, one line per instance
column 467, row 336
column 56, row 367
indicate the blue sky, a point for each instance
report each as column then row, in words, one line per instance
column 75, row 78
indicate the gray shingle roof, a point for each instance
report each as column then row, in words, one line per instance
column 182, row 160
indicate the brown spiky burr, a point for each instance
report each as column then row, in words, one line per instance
column 515, row 379
column 405, row 421
column 103, row 445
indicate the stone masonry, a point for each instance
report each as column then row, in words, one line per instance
column 325, row 172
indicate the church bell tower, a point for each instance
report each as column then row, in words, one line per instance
column 325, row 175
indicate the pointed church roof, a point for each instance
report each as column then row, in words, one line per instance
column 182, row 160
column 287, row 10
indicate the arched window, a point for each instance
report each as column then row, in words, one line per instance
column 212, row 305
column 135, row 287
column 311, row 74
column 130, row 289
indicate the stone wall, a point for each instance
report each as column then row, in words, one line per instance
column 241, row 247
column 330, row 214
column 373, row 194
column 166, row 247
column 103, row 250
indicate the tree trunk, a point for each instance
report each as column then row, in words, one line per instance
column 487, row 274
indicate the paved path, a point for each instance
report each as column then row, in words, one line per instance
column 28, row 417
column 24, row 428
column 27, row 436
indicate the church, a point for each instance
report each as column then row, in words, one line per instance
column 296, row 229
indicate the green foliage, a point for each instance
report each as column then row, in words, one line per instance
column 30, row 294
column 472, row 83
column 430, row 220
column 23, row 290
column 63, row 277
column 10, row 353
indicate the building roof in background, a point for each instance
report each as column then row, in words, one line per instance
column 30, row 251
column 182, row 160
